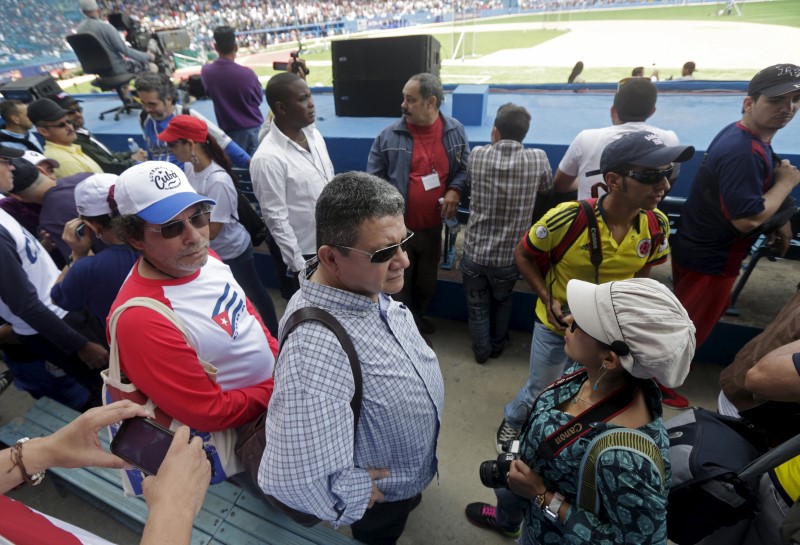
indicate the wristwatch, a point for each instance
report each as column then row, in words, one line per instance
column 551, row 510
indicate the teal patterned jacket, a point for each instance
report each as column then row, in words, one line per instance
column 632, row 499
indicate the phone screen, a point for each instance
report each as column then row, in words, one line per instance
column 143, row 443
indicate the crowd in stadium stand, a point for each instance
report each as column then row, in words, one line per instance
column 17, row 40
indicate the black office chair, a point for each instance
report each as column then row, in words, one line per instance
column 94, row 59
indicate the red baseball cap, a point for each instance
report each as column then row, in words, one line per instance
column 185, row 127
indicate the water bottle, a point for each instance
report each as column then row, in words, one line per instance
column 452, row 223
column 132, row 145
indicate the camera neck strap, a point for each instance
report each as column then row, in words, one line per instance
column 602, row 411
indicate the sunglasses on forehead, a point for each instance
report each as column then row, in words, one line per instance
column 649, row 175
column 384, row 254
column 175, row 228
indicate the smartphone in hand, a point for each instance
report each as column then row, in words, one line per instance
column 142, row 443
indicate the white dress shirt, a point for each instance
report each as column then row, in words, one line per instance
column 287, row 181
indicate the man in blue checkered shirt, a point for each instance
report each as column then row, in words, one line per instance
column 313, row 462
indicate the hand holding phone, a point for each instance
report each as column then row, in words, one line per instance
column 182, row 480
column 142, row 443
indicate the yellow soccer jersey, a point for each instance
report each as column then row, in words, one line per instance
column 620, row 261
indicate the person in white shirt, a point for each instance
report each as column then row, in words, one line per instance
column 289, row 171
column 634, row 103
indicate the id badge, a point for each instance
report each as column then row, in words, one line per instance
column 431, row 181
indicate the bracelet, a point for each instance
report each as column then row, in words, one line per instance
column 16, row 461
column 538, row 501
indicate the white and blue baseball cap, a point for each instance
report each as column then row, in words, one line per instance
column 156, row 191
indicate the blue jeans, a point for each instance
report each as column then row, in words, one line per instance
column 243, row 268
column 548, row 361
column 510, row 508
column 246, row 138
column 488, row 292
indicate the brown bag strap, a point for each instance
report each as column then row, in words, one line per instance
column 318, row 315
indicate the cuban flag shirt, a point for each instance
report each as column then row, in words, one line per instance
column 224, row 330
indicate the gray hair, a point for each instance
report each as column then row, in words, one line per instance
column 429, row 86
column 350, row 199
column 160, row 83
column 128, row 228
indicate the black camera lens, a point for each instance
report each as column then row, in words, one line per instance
column 494, row 473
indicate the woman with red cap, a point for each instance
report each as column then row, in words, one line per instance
column 211, row 174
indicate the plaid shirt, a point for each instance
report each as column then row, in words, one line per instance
column 310, row 462
column 504, row 178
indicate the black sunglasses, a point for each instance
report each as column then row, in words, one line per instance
column 5, row 161
column 74, row 110
column 57, row 125
column 384, row 254
column 175, row 228
column 648, row 176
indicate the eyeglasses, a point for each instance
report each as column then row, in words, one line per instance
column 73, row 111
column 650, row 176
column 384, row 254
column 175, row 228
column 5, row 161
column 57, row 125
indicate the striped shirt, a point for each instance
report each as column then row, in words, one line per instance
column 504, row 179
column 310, row 462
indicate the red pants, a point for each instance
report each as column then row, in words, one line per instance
column 706, row 298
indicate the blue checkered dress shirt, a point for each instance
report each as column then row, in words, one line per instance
column 310, row 462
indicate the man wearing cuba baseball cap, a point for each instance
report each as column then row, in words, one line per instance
column 155, row 191
column 640, row 321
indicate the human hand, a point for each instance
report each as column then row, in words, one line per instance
column 555, row 315
column 298, row 66
column 139, row 156
column 377, row 495
column 93, row 355
column 787, row 173
column 81, row 245
column 525, row 482
column 450, row 204
column 7, row 335
column 77, row 444
column 46, row 242
column 780, row 239
column 182, row 479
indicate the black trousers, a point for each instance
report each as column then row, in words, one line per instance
column 383, row 523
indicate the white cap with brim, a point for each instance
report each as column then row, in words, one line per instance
column 643, row 323
column 91, row 195
column 35, row 157
column 156, row 191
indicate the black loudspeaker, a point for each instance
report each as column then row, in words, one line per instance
column 29, row 89
column 174, row 40
column 369, row 74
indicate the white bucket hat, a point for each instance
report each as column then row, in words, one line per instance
column 643, row 323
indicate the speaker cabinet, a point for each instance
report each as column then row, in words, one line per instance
column 29, row 89
column 369, row 74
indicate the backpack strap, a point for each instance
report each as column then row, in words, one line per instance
column 585, row 218
column 656, row 233
column 618, row 438
column 326, row 318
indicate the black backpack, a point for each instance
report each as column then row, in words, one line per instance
column 707, row 452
